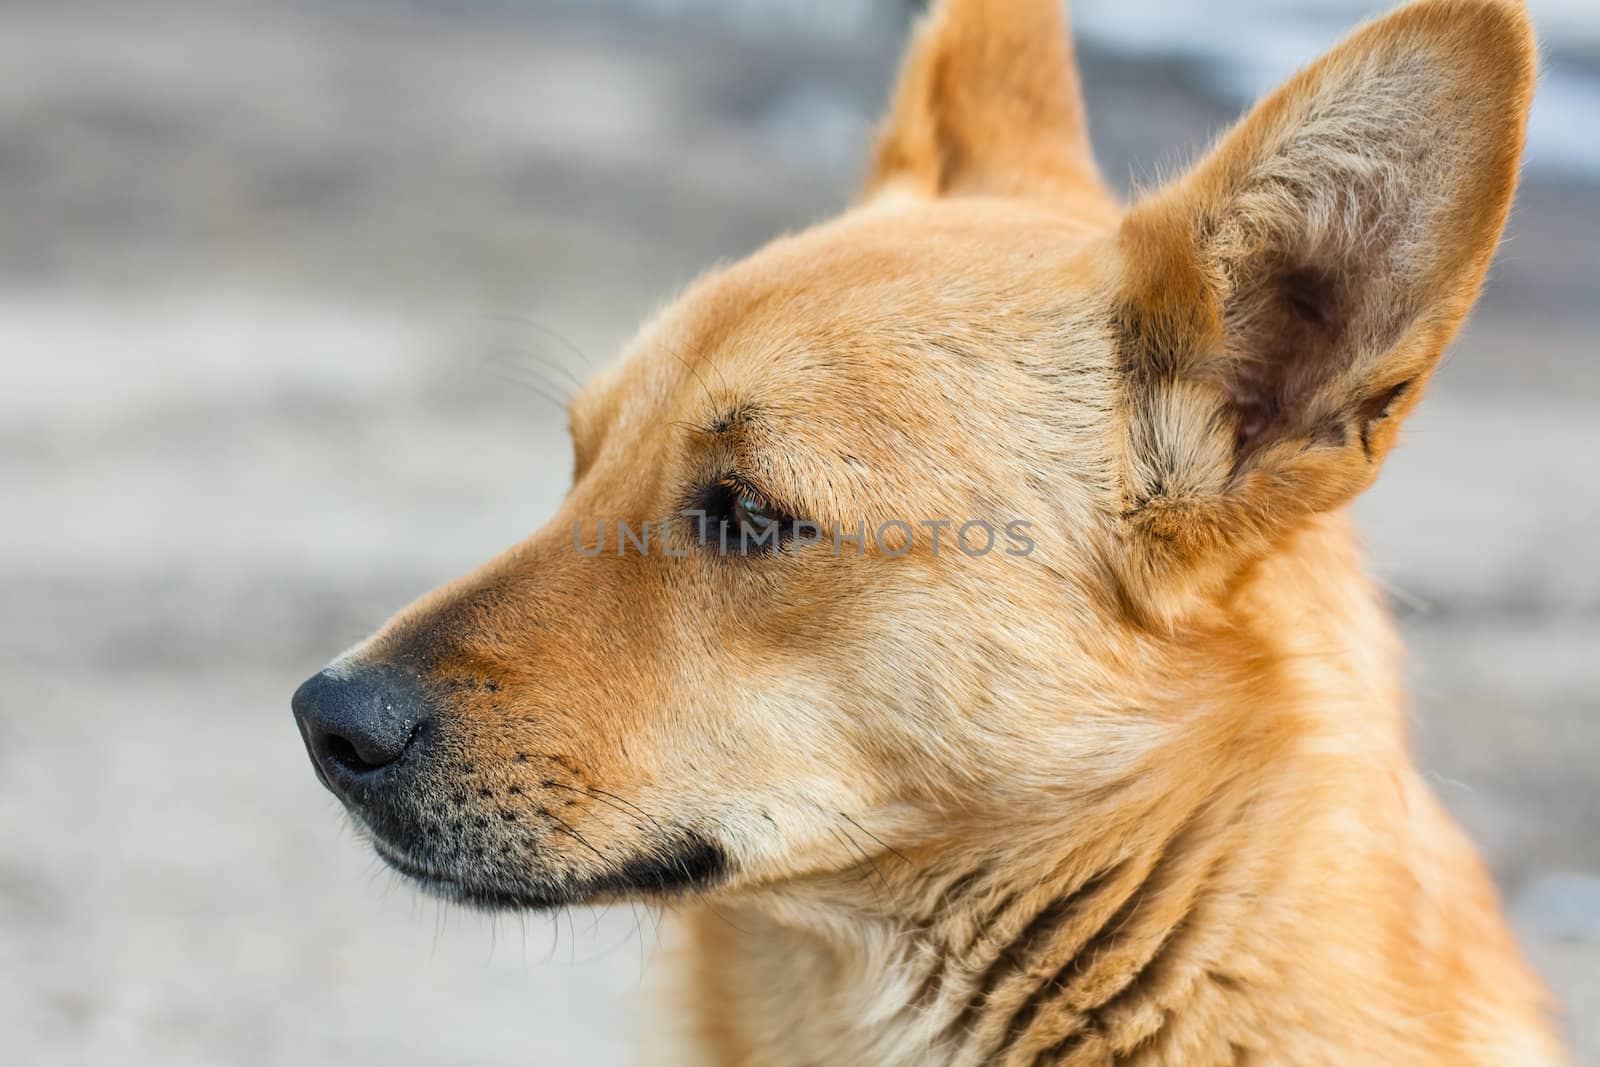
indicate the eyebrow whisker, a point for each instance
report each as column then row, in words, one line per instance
column 690, row 368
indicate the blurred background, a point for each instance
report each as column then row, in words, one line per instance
column 283, row 288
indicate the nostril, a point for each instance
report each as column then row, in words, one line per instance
column 357, row 722
column 340, row 751
column 363, row 757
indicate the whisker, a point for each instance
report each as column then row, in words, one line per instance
column 690, row 368
column 563, row 827
column 700, row 357
column 551, row 365
column 601, row 793
column 527, row 378
column 901, row 856
column 609, row 799
column 540, row 391
column 549, row 331
column 870, row 868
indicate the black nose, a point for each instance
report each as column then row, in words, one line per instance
column 358, row 721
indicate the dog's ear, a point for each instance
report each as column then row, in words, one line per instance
column 1281, row 307
column 988, row 103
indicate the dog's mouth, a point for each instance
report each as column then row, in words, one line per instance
column 458, row 889
column 686, row 863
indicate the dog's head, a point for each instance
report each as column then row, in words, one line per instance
column 926, row 511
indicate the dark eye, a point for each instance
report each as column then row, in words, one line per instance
column 753, row 512
column 740, row 521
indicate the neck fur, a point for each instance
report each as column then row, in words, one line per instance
column 1229, row 888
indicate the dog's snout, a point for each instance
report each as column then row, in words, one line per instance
column 358, row 722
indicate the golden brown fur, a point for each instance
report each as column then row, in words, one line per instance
column 1140, row 797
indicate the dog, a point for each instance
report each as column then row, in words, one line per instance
column 1116, row 772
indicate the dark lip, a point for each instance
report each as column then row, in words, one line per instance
column 696, row 863
column 446, row 886
column 417, row 872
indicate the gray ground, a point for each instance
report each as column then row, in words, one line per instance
column 269, row 273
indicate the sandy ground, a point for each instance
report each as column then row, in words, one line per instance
column 271, row 279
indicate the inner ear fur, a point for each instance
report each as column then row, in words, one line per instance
column 1282, row 306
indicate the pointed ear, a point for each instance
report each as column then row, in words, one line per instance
column 1282, row 307
column 988, row 102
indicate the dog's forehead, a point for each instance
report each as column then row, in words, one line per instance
column 863, row 318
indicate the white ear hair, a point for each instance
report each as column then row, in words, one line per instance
column 1286, row 301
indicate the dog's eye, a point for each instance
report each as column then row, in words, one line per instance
column 740, row 521
column 754, row 513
